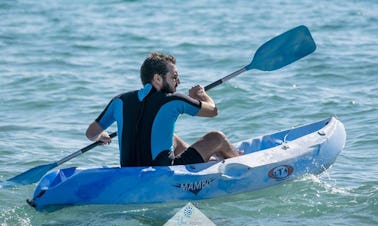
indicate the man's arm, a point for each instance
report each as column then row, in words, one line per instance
column 95, row 133
column 208, row 108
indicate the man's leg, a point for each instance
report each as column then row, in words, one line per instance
column 214, row 142
column 179, row 145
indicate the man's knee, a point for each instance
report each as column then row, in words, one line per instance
column 216, row 135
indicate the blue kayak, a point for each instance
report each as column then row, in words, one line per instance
column 267, row 160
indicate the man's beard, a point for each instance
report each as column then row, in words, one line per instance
column 166, row 88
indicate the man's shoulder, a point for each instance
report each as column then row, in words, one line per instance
column 183, row 97
column 126, row 95
column 176, row 96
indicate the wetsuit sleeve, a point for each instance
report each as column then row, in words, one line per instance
column 106, row 118
column 189, row 105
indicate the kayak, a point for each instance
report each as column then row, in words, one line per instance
column 267, row 160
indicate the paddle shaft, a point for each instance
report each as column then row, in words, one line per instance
column 83, row 150
column 225, row 78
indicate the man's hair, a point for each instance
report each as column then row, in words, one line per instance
column 155, row 63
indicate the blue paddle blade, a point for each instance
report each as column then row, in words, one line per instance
column 35, row 174
column 32, row 175
column 283, row 50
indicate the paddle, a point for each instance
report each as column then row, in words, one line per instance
column 34, row 174
column 277, row 53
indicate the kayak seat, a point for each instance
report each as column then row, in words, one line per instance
column 259, row 144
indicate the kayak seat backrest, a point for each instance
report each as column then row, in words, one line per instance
column 249, row 146
column 271, row 141
column 261, row 143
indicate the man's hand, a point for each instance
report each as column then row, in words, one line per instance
column 104, row 138
column 96, row 133
column 198, row 92
column 208, row 107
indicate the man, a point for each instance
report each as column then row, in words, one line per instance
column 146, row 120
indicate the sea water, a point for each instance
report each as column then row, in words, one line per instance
column 61, row 61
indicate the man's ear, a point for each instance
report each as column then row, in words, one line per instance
column 157, row 78
column 157, row 81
